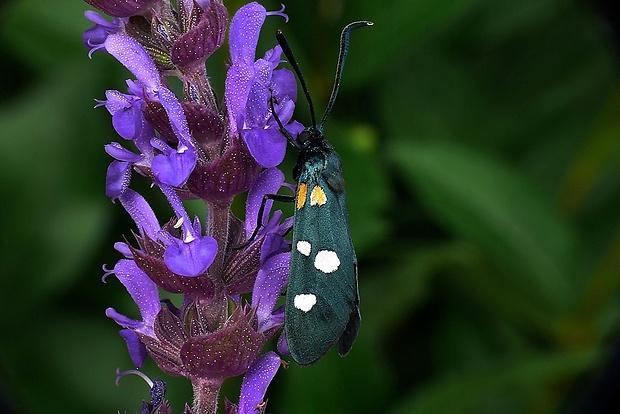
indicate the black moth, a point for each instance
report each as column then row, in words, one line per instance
column 322, row 299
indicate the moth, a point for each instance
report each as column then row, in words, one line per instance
column 322, row 299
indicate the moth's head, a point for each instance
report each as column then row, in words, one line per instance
column 311, row 134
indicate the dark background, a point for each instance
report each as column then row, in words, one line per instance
column 480, row 141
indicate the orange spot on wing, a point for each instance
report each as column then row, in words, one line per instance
column 302, row 190
column 318, row 196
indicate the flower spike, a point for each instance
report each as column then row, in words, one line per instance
column 192, row 147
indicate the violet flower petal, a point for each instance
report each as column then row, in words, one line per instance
column 117, row 178
column 124, row 249
column 94, row 37
column 120, row 153
column 274, row 242
column 135, row 58
column 98, row 19
column 242, row 40
column 267, row 146
column 142, row 290
column 141, row 213
column 271, row 279
column 127, row 117
column 122, row 320
column 193, row 258
column 237, row 87
column 243, row 33
column 268, row 182
column 173, row 169
column 192, row 255
column 137, row 350
column 256, row 382
column 278, row 315
column 284, row 84
column 257, row 110
column 273, row 56
column 117, row 101
column 129, row 122
column 294, row 128
column 283, row 345
column 285, row 112
column 175, row 114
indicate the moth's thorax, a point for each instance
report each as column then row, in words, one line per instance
column 315, row 155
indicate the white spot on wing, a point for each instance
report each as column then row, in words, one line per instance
column 304, row 247
column 304, row 302
column 326, row 261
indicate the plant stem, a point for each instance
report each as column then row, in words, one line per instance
column 205, row 396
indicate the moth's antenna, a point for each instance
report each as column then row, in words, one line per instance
column 344, row 48
column 291, row 59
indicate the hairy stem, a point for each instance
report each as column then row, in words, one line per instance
column 205, row 396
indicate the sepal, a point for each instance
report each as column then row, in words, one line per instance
column 121, row 8
column 225, row 353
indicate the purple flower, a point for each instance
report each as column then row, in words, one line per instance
column 192, row 254
column 208, row 355
column 129, row 122
column 95, row 37
column 174, row 160
column 245, row 264
column 144, row 293
column 229, row 272
column 126, row 109
column 251, row 84
column 186, row 253
column 270, row 282
column 171, row 166
column 255, row 384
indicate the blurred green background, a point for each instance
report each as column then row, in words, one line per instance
column 481, row 146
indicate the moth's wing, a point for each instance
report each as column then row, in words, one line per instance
column 321, row 234
column 346, row 340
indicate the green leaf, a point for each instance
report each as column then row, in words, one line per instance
column 494, row 207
